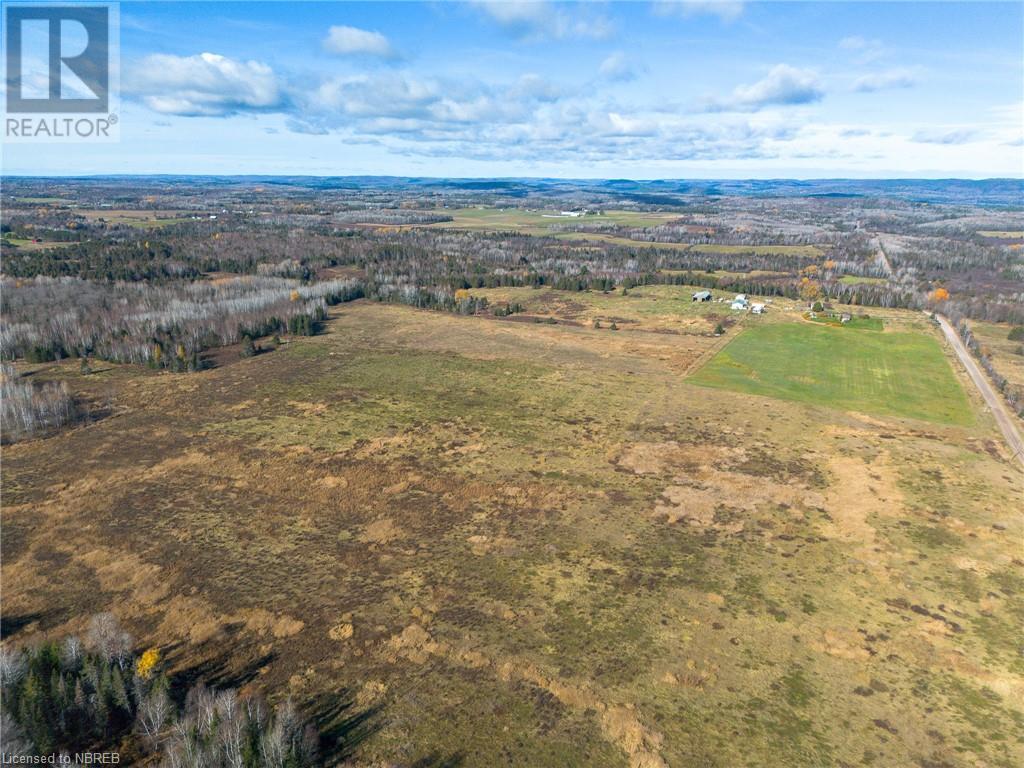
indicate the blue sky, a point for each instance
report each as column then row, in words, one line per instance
column 638, row 89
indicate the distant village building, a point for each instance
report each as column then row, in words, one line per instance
column 740, row 302
column 757, row 309
column 845, row 317
column 702, row 296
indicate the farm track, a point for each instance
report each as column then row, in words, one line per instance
column 991, row 397
column 709, row 353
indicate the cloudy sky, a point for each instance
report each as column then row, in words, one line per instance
column 643, row 90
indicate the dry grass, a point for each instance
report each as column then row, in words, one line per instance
column 539, row 545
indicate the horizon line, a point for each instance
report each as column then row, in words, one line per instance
column 18, row 175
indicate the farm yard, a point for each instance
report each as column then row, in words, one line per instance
column 555, row 538
column 28, row 244
column 651, row 307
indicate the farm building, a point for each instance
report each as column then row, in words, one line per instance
column 757, row 309
column 702, row 296
column 740, row 302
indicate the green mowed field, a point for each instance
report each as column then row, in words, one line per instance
column 862, row 323
column 889, row 374
column 858, row 280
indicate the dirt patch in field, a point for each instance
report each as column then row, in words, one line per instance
column 841, row 643
column 711, row 498
column 381, row 532
column 658, row 458
column 857, row 492
column 619, row 723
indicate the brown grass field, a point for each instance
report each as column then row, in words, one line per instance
column 504, row 542
column 1006, row 354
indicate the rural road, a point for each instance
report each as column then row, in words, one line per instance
column 992, row 398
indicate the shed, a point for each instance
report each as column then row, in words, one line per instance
column 702, row 296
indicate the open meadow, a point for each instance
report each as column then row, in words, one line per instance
column 535, row 541
column 1007, row 353
column 541, row 222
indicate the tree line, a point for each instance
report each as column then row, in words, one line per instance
column 165, row 326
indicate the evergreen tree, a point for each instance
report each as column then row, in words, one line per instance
column 248, row 348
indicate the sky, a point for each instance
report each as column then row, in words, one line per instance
column 694, row 89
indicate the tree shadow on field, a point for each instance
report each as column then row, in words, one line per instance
column 11, row 625
column 221, row 670
column 341, row 726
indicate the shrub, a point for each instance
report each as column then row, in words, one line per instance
column 1016, row 333
column 146, row 664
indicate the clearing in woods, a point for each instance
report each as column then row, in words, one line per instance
column 891, row 374
column 525, row 544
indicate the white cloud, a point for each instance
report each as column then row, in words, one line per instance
column 867, row 49
column 856, row 43
column 617, row 66
column 407, row 103
column 535, row 87
column 953, row 136
column 881, row 81
column 784, row 85
column 204, row 85
column 616, row 124
column 532, row 118
column 352, row 41
column 539, row 19
column 726, row 10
